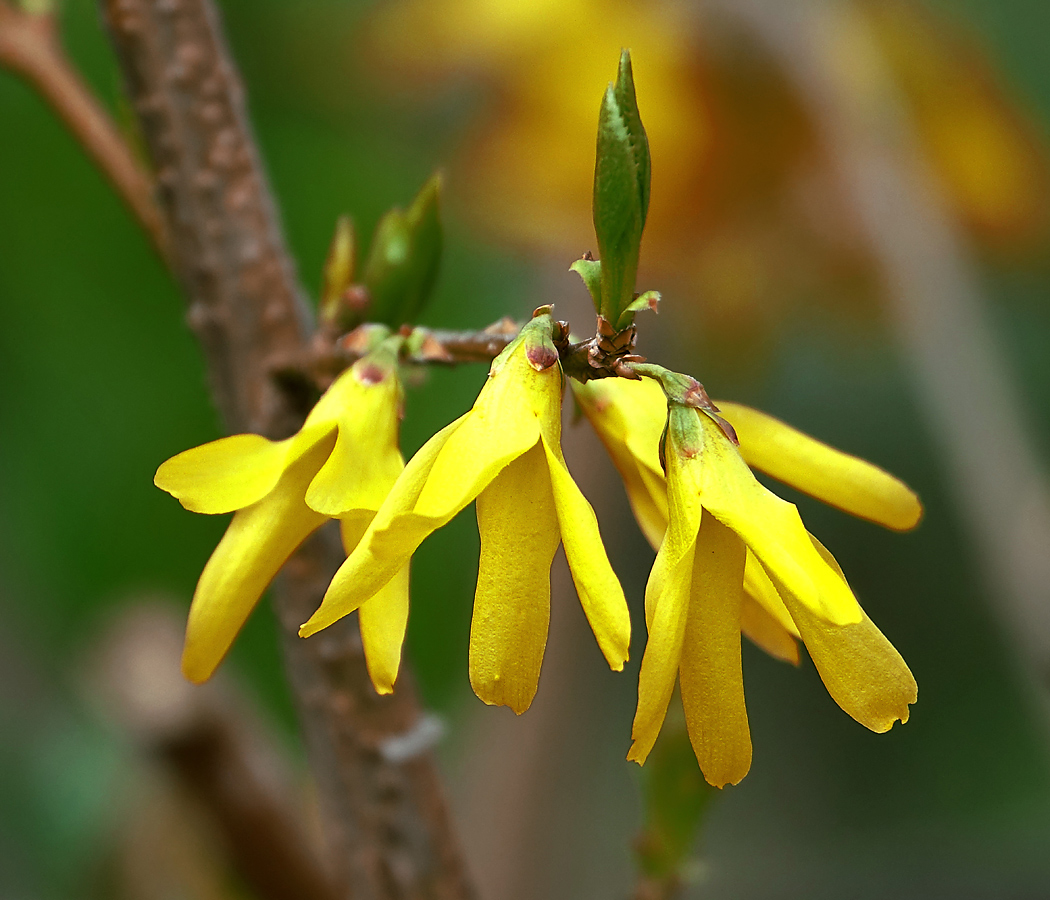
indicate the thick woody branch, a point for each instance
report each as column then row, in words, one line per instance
column 386, row 823
column 29, row 46
column 229, row 253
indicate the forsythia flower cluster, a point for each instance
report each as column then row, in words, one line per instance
column 733, row 558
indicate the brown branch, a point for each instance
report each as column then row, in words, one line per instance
column 386, row 822
column 29, row 46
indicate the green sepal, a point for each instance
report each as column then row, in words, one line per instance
column 590, row 270
column 621, row 193
column 404, row 258
column 338, row 272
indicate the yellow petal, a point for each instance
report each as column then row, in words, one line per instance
column 761, row 589
column 519, row 535
column 388, row 543
column 663, row 651
column 685, row 512
column 626, row 414
column 836, row 478
column 766, row 632
column 366, row 460
column 257, row 543
column 629, row 417
column 504, row 423
column 771, row 527
column 224, row 475
column 596, row 583
column 648, row 498
column 862, row 671
column 710, row 673
column 383, row 619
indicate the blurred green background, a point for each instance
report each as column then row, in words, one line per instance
column 100, row 381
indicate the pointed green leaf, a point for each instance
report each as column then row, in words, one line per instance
column 621, row 192
column 590, row 270
column 648, row 300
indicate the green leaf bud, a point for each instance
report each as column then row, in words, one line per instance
column 404, row 258
column 621, row 193
column 338, row 271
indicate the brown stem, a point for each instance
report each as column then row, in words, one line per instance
column 29, row 46
column 386, row 823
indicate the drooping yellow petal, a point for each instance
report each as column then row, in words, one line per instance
column 388, row 543
column 758, row 586
column 862, row 671
column 504, row 423
column 771, row 527
column 685, row 511
column 257, row 543
column 519, row 535
column 836, row 478
column 663, row 651
column 366, row 460
column 710, row 672
column 629, row 418
column 766, row 632
column 383, row 618
column 599, row 590
column 224, row 475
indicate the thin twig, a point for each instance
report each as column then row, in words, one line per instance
column 30, row 47
column 386, row 823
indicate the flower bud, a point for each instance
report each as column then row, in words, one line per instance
column 621, row 193
column 403, row 260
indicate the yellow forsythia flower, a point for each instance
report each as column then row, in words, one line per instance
column 506, row 452
column 736, row 557
column 340, row 465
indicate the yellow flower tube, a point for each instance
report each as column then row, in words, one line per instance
column 506, row 453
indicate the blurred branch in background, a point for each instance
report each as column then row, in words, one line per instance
column 385, row 819
column 220, row 754
column 974, row 409
column 30, row 46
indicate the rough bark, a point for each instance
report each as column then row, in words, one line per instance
column 386, row 823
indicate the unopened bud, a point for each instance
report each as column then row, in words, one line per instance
column 404, row 258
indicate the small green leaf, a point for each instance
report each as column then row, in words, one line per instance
column 648, row 300
column 404, row 258
column 621, row 192
column 590, row 270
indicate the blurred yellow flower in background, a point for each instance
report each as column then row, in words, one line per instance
column 734, row 557
column 341, row 465
column 506, row 453
column 746, row 211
